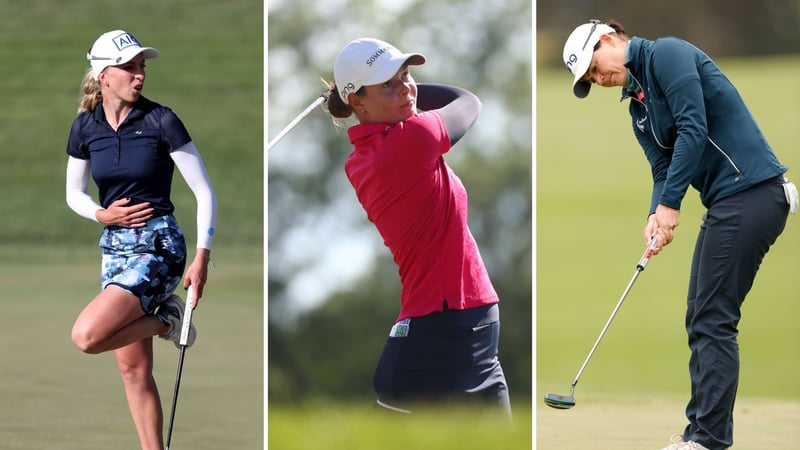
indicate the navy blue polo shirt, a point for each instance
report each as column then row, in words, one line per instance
column 132, row 162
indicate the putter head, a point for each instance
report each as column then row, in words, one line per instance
column 559, row 401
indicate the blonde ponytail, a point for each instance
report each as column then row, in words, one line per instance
column 91, row 93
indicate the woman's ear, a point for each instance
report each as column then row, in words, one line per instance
column 101, row 78
column 607, row 39
column 355, row 102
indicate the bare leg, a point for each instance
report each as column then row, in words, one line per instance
column 135, row 362
column 113, row 320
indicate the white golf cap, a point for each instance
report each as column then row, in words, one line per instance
column 114, row 48
column 368, row 61
column 578, row 52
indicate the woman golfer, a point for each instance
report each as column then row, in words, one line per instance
column 696, row 131
column 130, row 146
column 443, row 346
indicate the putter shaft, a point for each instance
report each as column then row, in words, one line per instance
column 175, row 396
column 639, row 268
column 184, row 340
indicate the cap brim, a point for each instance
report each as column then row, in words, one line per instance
column 389, row 68
column 131, row 52
column 581, row 88
column 150, row 52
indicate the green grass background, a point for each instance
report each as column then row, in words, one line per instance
column 361, row 427
column 593, row 189
column 211, row 73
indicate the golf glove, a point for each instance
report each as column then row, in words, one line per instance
column 791, row 195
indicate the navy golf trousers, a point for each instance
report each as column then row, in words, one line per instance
column 448, row 356
column 736, row 233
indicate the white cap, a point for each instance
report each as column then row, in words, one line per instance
column 578, row 53
column 114, row 48
column 368, row 61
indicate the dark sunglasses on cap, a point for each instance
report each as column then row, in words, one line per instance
column 594, row 23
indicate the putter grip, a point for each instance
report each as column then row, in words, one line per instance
column 187, row 316
column 647, row 254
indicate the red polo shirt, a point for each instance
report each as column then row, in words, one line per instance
column 419, row 207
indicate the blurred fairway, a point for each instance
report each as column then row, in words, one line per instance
column 210, row 72
column 361, row 427
column 593, row 191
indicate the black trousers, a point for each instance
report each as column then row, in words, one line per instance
column 736, row 233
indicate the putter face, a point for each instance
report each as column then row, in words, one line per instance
column 559, row 401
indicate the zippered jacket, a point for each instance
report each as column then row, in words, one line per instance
column 693, row 125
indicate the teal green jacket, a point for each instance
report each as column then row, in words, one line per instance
column 693, row 125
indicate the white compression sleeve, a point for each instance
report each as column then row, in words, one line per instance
column 78, row 198
column 188, row 161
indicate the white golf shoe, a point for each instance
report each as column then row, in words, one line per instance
column 679, row 444
column 171, row 313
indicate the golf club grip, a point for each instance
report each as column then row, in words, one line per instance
column 187, row 316
column 647, row 253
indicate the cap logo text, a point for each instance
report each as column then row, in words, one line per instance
column 349, row 87
column 377, row 55
column 125, row 40
column 573, row 58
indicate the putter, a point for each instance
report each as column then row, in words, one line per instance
column 187, row 322
column 559, row 401
column 320, row 100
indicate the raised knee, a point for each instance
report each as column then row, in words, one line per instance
column 82, row 338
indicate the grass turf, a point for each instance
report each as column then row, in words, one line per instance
column 362, row 427
column 636, row 422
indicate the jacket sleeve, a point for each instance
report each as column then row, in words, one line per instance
column 458, row 107
column 674, row 68
column 659, row 160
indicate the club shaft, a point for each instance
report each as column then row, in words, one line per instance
column 175, row 396
column 183, row 342
column 320, row 100
column 648, row 253
column 605, row 328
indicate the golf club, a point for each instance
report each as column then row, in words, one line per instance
column 320, row 100
column 184, row 340
column 568, row 401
